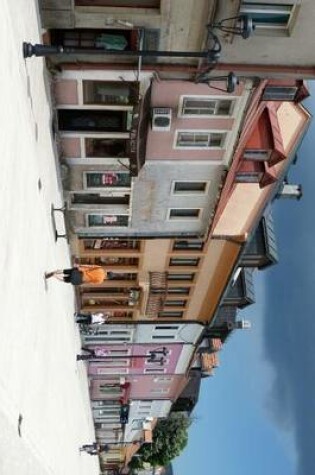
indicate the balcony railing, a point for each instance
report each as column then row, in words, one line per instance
column 158, row 286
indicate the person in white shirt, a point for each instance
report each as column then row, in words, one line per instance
column 91, row 318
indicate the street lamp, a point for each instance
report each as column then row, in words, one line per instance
column 231, row 81
column 211, row 54
column 243, row 26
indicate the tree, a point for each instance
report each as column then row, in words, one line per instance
column 169, row 439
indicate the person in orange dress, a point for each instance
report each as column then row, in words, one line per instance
column 80, row 274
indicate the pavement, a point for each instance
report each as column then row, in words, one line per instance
column 44, row 406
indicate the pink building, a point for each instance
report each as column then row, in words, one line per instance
column 135, row 359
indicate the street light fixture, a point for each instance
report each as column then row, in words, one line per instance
column 243, row 26
column 211, row 53
column 231, row 81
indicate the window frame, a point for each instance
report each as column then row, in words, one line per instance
column 207, row 132
column 88, row 225
column 185, row 274
column 195, row 261
column 184, row 218
column 257, row 155
column 106, row 187
column 216, row 99
column 190, row 192
column 193, row 245
column 270, row 28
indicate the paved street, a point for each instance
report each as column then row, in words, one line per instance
column 43, row 392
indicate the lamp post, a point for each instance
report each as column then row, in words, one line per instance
column 211, row 54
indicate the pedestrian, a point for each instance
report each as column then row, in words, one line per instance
column 91, row 318
column 93, row 354
column 94, row 449
column 81, row 274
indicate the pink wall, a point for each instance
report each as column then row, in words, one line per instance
column 66, row 92
column 138, row 387
column 135, row 365
column 160, row 145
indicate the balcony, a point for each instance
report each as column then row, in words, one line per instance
column 157, row 292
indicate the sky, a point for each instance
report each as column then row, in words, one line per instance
column 257, row 414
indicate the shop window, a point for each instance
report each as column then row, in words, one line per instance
column 90, row 120
column 106, row 148
column 113, row 39
column 105, row 220
column 110, row 244
column 107, row 179
column 110, row 92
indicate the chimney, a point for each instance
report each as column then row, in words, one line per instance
column 290, row 191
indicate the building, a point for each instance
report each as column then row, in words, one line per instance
column 281, row 46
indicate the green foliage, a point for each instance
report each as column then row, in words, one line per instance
column 169, row 439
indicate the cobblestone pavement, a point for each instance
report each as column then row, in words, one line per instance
column 44, row 407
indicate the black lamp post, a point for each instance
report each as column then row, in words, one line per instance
column 211, row 54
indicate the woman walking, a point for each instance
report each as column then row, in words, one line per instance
column 80, row 274
column 91, row 318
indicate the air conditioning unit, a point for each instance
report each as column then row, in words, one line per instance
column 161, row 119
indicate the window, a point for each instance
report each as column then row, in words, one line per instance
column 257, row 155
column 163, row 379
column 115, row 148
column 177, row 213
column 188, row 187
column 159, row 390
column 248, row 177
column 105, row 220
column 178, row 290
column 204, row 106
column 170, row 314
column 175, row 303
column 268, row 16
column 176, row 276
column 279, row 93
column 200, row 139
column 193, row 245
column 118, row 3
column 91, row 120
column 154, row 370
column 163, row 337
column 183, row 261
column 110, row 244
column 120, row 93
column 107, row 179
column 102, row 39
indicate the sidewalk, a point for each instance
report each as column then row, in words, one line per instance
column 43, row 392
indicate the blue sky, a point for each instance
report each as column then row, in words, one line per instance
column 257, row 414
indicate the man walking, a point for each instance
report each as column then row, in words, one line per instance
column 94, row 449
